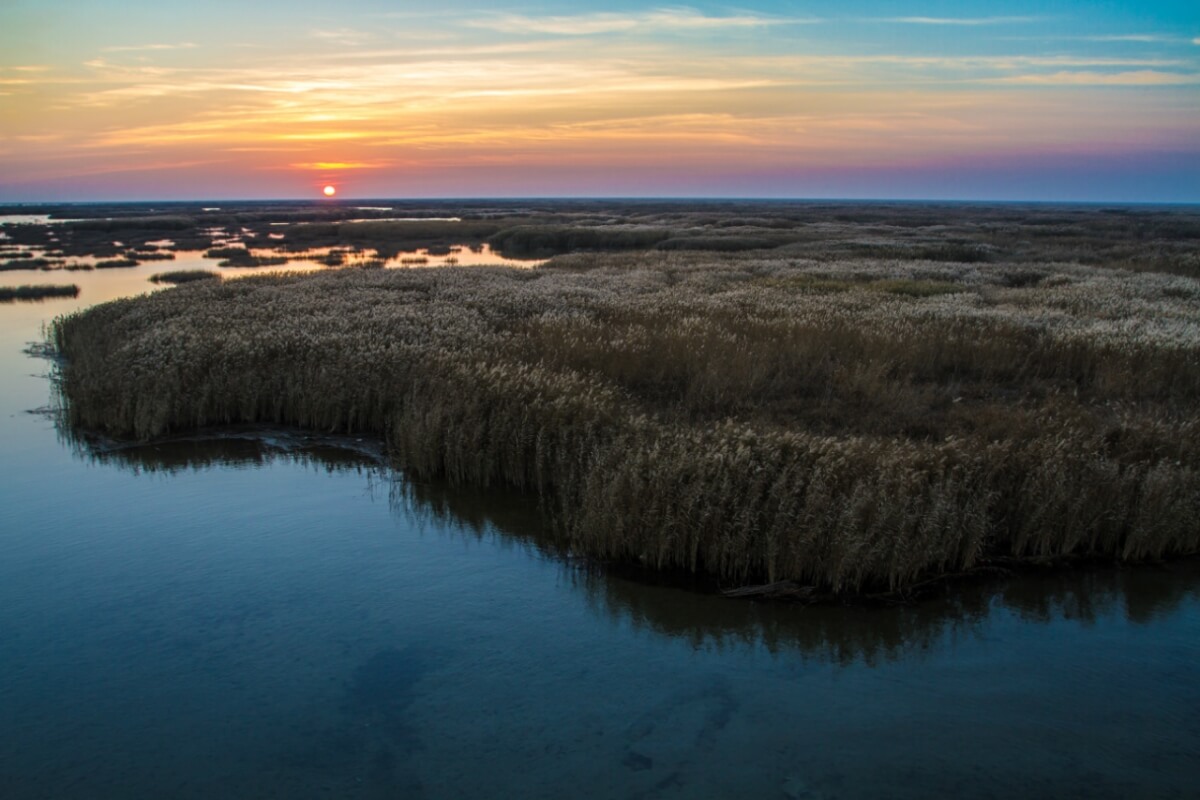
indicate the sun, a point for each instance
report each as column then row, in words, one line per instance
column 329, row 191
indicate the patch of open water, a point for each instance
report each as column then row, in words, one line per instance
column 281, row 616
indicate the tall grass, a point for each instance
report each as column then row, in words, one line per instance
column 1154, row 239
column 151, row 255
column 184, row 276
column 41, row 292
column 117, row 263
column 853, row 425
column 29, row 264
column 539, row 241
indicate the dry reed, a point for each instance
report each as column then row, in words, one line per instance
column 40, row 292
column 852, row 425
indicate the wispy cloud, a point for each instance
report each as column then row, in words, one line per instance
column 135, row 48
column 341, row 165
column 461, row 52
column 342, row 36
column 131, row 163
column 681, row 19
column 586, row 25
column 687, row 18
column 1112, row 38
column 1196, row 41
column 968, row 21
column 947, row 66
column 1127, row 37
column 657, row 87
column 1137, row 78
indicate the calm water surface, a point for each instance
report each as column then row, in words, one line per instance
column 242, row 619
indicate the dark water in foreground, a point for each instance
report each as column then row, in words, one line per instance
column 232, row 619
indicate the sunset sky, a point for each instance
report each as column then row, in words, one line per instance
column 959, row 100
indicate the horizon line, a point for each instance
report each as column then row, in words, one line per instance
column 344, row 201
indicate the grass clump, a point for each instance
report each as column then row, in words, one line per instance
column 116, row 263
column 152, row 222
column 184, row 276
column 543, row 241
column 245, row 259
column 10, row 293
column 151, row 255
column 853, row 426
column 15, row 264
column 233, row 253
column 725, row 243
column 916, row 288
column 907, row 287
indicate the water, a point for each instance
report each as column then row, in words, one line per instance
column 111, row 283
column 280, row 617
column 27, row 219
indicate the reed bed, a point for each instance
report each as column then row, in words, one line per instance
column 41, row 292
column 29, row 263
column 1146, row 238
column 247, row 260
column 117, row 263
column 184, row 276
column 151, row 255
column 855, row 425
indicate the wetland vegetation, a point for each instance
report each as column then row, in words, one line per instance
column 184, row 276
column 11, row 293
column 853, row 398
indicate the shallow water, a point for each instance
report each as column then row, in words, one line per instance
column 284, row 618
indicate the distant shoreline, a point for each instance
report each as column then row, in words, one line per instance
column 343, row 202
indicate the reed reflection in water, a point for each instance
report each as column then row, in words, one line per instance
column 277, row 613
column 838, row 633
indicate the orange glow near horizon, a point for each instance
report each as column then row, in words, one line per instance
column 329, row 191
column 671, row 101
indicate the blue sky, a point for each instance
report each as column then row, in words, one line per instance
column 1053, row 101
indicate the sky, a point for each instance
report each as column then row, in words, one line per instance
column 159, row 99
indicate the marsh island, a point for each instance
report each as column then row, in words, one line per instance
column 840, row 399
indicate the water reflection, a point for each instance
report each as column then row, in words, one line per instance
column 842, row 635
column 231, row 448
column 1138, row 594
